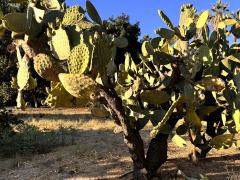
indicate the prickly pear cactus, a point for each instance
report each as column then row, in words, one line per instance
column 79, row 59
column 102, row 53
column 47, row 67
column 60, row 44
column 78, row 85
column 73, row 16
column 58, row 96
column 23, row 75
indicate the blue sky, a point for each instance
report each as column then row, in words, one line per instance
column 145, row 11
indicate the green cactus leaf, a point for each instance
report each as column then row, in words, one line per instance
column 20, row 101
column 102, row 54
column 1, row 14
column 236, row 78
column 84, row 24
column 234, row 58
column 179, row 141
column 79, row 59
column 205, row 55
column 202, row 20
column 187, row 15
column 121, row 42
column 58, row 97
column 162, row 58
column 236, row 118
column 16, row 22
column 235, row 30
column 58, row 41
column 189, row 95
column 206, row 110
column 166, row 117
column 165, row 33
column 155, row 97
column 73, row 16
column 155, row 42
column 165, row 19
column 230, row 22
column 47, row 67
column 213, row 38
column 23, row 74
column 92, row 12
column 78, row 85
column 193, row 119
column 222, row 141
column 147, row 49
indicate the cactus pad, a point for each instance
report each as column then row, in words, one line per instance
column 202, row 19
column 53, row 4
column 187, row 15
column 46, row 67
column 102, row 53
column 60, row 44
column 84, row 24
column 79, row 59
column 23, row 74
column 16, row 22
column 165, row 19
column 77, row 84
column 58, row 97
column 73, row 16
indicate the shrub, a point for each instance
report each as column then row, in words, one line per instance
column 29, row 140
column 8, row 121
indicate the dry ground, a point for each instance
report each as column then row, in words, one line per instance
column 100, row 154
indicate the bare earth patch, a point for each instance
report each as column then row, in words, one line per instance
column 100, row 154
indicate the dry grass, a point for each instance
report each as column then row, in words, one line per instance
column 99, row 153
column 83, row 125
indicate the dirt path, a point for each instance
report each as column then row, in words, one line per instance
column 100, row 154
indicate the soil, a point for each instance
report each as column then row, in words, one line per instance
column 98, row 153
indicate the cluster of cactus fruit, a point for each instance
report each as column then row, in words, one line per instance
column 191, row 69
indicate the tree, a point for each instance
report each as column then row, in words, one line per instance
column 188, row 72
column 121, row 27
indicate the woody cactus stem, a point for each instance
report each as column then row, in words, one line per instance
column 132, row 137
column 144, row 167
column 158, row 147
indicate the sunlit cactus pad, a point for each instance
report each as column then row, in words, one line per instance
column 47, row 67
column 77, row 84
column 79, row 59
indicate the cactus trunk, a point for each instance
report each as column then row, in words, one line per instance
column 143, row 166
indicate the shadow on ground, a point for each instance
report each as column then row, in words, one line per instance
column 98, row 153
